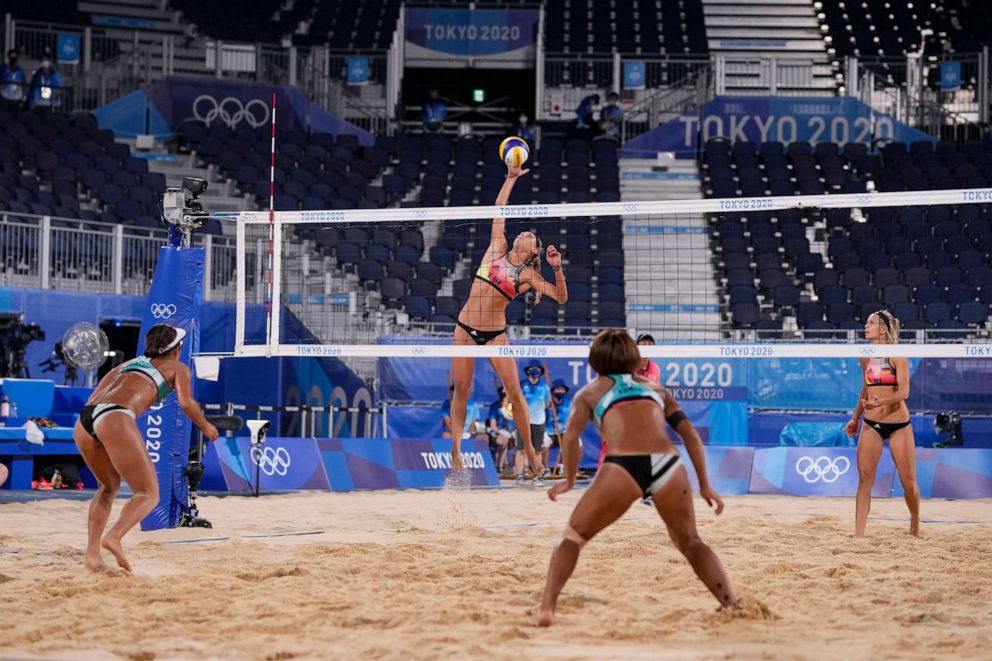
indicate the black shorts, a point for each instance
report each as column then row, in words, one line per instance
column 650, row 471
column 536, row 437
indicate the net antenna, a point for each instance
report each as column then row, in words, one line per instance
column 651, row 232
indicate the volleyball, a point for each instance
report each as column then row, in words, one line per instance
column 514, row 151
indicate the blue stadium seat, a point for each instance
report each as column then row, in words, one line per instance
column 973, row 313
column 393, row 292
column 418, row 307
column 926, row 294
column 424, row 288
column 839, row 313
column 938, row 312
column 745, row 314
column 808, row 313
column 959, row 294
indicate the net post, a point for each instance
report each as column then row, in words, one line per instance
column 275, row 300
column 240, row 278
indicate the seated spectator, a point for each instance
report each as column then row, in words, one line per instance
column 611, row 117
column 435, row 111
column 471, row 415
column 46, row 86
column 525, row 130
column 12, row 80
column 500, row 428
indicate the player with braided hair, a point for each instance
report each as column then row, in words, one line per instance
column 507, row 270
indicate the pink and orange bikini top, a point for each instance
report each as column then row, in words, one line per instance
column 502, row 274
column 880, row 372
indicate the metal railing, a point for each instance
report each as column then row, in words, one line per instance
column 42, row 252
column 680, row 97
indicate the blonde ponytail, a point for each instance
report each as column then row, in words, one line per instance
column 891, row 324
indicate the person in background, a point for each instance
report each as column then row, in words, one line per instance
column 46, row 86
column 611, row 117
column 525, row 130
column 648, row 369
column 435, row 111
column 471, row 415
column 12, row 80
column 538, row 397
column 584, row 113
column 500, row 428
column 561, row 406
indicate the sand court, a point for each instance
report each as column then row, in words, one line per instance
column 423, row 574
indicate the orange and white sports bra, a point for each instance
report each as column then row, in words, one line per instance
column 502, row 274
column 880, row 372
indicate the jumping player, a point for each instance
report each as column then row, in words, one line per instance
column 883, row 397
column 642, row 461
column 109, row 441
column 506, row 272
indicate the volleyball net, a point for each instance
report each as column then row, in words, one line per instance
column 738, row 277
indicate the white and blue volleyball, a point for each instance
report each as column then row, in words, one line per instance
column 514, row 151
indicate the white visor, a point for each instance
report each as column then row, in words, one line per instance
column 180, row 334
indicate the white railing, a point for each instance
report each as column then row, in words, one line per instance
column 40, row 252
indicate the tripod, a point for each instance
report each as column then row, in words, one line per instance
column 194, row 469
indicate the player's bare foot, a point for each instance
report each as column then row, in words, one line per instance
column 545, row 616
column 456, row 462
column 113, row 545
column 95, row 563
column 914, row 527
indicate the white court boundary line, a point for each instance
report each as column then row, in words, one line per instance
column 273, row 347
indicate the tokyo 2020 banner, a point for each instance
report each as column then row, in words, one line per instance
column 450, row 37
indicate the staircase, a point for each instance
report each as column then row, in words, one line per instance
column 146, row 33
column 745, row 32
column 669, row 282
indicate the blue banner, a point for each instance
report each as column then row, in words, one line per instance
column 279, row 464
column 815, row 472
column 174, row 299
column 68, row 48
column 634, row 74
column 446, row 34
column 358, row 70
column 766, row 119
column 950, row 76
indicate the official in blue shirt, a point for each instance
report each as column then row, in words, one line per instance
column 538, row 397
column 562, row 406
column 471, row 415
column 46, row 86
column 500, row 428
column 611, row 117
column 12, row 80
column 434, row 112
column 583, row 114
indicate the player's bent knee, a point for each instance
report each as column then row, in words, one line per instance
column 570, row 534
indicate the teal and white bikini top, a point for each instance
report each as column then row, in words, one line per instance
column 624, row 389
column 143, row 365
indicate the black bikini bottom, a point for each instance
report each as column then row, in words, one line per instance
column 481, row 337
column 650, row 471
column 886, row 429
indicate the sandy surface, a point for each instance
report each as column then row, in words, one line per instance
column 459, row 573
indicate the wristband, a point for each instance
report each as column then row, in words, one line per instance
column 556, row 268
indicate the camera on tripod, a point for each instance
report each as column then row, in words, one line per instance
column 15, row 336
column 182, row 210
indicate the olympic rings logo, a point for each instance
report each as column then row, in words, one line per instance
column 271, row 461
column 822, row 469
column 162, row 310
column 222, row 111
column 867, row 351
column 631, row 207
column 863, row 199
